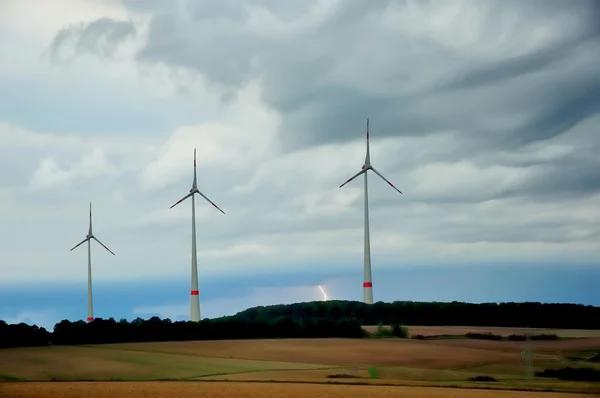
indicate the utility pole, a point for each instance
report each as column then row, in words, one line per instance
column 528, row 353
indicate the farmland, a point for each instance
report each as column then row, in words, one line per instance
column 235, row 390
column 205, row 365
column 503, row 331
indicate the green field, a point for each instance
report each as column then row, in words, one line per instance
column 101, row 363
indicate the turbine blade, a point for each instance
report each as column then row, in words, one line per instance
column 182, row 199
column 210, row 201
column 385, row 179
column 96, row 239
column 195, row 184
column 368, row 157
column 79, row 244
column 354, row 176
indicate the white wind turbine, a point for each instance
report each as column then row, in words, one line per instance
column 194, row 293
column 88, row 239
column 368, row 282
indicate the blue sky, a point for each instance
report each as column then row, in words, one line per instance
column 47, row 304
column 485, row 114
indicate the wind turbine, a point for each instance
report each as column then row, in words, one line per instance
column 194, row 294
column 88, row 239
column 368, row 282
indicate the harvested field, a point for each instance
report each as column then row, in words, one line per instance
column 502, row 331
column 331, row 352
column 357, row 361
column 233, row 390
column 514, row 346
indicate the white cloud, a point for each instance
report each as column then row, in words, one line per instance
column 50, row 174
column 243, row 138
column 243, row 249
column 465, row 121
column 16, row 137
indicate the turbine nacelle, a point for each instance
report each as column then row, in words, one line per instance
column 90, row 236
column 194, row 189
column 364, row 170
column 368, row 166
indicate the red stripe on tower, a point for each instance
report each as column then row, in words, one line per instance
column 368, row 284
column 194, row 293
column 90, row 319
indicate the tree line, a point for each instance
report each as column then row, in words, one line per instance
column 528, row 314
column 305, row 320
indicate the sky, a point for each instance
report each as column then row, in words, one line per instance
column 485, row 114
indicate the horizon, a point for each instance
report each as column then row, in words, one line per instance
column 486, row 118
column 228, row 295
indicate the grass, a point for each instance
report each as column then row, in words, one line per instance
column 394, row 331
column 373, row 374
column 7, row 377
column 87, row 363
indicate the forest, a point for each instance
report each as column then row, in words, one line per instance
column 305, row 320
column 528, row 314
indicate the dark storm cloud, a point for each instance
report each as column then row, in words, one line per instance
column 587, row 30
column 569, row 177
column 100, row 37
column 568, row 110
column 315, row 111
column 509, row 232
column 213, row 38
column 492, row 99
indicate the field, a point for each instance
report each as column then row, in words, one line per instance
column 405, row 367
column 235, row 390
column 462, row 330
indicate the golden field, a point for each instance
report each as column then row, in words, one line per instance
column 254, row 390
column 360, row 367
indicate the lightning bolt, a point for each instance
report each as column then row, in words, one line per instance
column 324, row 294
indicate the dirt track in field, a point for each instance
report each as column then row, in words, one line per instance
column 332, row 351
column 255, row 390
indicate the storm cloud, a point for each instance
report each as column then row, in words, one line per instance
column 486, row 114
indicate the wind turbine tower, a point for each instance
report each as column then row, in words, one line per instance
column 368, row 282
column 194, row 293
column 88, row 239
